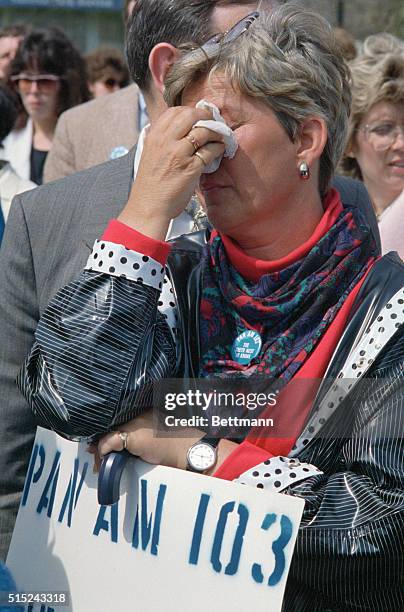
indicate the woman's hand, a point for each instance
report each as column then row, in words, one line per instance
column 169, row 170
column 141, row 442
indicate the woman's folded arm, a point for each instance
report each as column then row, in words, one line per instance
column 99, row 346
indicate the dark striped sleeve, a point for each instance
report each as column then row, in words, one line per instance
column 349, row 550
column 99, row 346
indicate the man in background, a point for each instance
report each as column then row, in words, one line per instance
column 108, row 128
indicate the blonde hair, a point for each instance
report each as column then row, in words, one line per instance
column 289, row 60
column 377, row 76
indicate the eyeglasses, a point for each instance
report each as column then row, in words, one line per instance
column 231, row 35
column 382, row 135
column 45, row 82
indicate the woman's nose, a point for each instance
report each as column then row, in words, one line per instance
column 33, row 87
column 399, row 139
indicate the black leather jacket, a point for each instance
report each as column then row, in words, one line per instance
column 349, row 551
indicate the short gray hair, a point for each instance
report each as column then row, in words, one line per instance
column 289, row 59
column 377, row 76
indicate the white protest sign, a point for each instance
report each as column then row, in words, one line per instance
column 175, row 541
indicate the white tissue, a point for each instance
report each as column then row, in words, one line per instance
column 217, row 124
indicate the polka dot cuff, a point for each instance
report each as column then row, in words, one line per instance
column 277, row 473
column 116, row 260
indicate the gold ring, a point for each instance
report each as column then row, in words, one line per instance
column 197, row 154
column 124, row 438
column 193, row 141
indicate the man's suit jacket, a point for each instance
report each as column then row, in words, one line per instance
column 87, row 134
column 48, row 238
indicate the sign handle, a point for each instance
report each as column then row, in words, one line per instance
column 109, row 478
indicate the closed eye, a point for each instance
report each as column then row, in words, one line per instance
column 384, row 129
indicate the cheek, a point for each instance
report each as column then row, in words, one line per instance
column 52, row 100
column 99, row 88
column 24, row 101
column 252, row 154
column 370, row 161
column 364, row 154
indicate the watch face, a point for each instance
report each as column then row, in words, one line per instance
column 201, row 456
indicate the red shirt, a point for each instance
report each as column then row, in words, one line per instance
column 258, row 446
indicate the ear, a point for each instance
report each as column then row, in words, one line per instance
column 161, row 57
column 312, row 140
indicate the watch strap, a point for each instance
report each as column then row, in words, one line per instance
column 207, row 439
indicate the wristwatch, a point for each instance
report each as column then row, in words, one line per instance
column 202, row 455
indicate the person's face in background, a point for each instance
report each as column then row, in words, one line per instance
column 40, row 95
column 379, row 151
column 8, row 50
column 107, row 85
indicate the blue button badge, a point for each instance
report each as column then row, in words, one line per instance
column 246, row 347
column 118, row 152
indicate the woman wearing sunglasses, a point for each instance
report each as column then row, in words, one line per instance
column 107, row 71
column 375, row 151
column 49, row 75
column 285, row 288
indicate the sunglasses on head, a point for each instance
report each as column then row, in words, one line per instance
column 231, row 35
column 44, row 82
